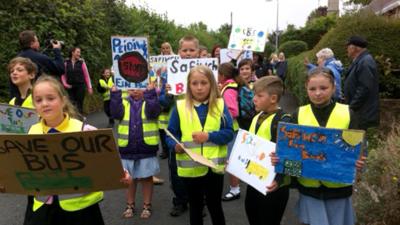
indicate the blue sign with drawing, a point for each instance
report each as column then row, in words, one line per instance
column 318, row 153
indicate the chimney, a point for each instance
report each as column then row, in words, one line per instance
column 333, row 7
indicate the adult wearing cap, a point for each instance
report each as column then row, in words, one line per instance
column 361, row 86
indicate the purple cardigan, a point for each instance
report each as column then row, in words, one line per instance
column 136, row 148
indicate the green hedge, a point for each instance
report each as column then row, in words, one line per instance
column 384, row 44
column 292, row 48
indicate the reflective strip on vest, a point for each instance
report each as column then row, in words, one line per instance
column 150, row 127
column 339, row 119
column 234, row 86
column 163, row 120
column 69, row 202
column 190, row 122
column 192, row 164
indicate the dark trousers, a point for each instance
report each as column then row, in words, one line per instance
column 163, row 136
column 177, row 185
column 209, row 186
column 266, row 210
column 54, row 215
column 77, row 94
column 106, row 107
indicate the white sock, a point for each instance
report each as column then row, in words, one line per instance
column 235, row 190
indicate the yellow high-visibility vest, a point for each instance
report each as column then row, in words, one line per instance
column 339, row 119
column 68, row 202
column 150, row 127
column 264, row 131
column 190, row 122
column 27, row 102
column 107, row 85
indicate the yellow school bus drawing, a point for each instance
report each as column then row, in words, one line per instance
column 257, row 170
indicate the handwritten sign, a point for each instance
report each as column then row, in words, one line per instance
column 159, row 68
column 59, row 163
column 226, row 55
column 318, row 153
column 247, row 38
column 129, row 55
column 250, row 161
column 15, row 119
column 178, row 71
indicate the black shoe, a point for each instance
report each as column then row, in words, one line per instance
column 178, row 210
column 230, row 197
column 163, row 155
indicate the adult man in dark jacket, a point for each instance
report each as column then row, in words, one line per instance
column 30, row 49
column 361, row 87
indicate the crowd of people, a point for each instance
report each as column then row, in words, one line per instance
column 205, row 120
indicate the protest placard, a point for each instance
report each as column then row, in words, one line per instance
column 318, row 153
column 226, row 55
column 247, row 38
column 15, row 119
column 159, row 68
column 250, row 161
column 59, row 163
column 178, row 71
column 129, row 56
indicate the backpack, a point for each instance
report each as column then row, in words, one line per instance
column 247, row 110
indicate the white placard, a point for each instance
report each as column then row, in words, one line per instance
column 178, row 71
column 247, row 38
column 226, row 55
column 250, row 161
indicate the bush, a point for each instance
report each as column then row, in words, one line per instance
column 292, row 48
column 382, row 36
column 377, row 194
column 312, row 32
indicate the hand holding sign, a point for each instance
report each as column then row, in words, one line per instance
column 196, row 157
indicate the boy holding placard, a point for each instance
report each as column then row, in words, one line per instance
column 269, row 209
column 188, row 49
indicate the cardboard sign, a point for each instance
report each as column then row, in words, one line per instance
column 59, row 163
column 250, row 161
column 226, row 55
column 159, row 68
column 178, row 71
column 196, row 157
column 15, row 119
column 247, row 38
column 129, row 55
column 318, row 153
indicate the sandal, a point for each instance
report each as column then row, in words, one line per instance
column 129, row 210
column 230, row 196
column 146, row 212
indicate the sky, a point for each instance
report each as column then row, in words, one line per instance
column 214, row 13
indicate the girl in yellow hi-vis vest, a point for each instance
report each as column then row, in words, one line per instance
column 321, row 202
column 230, row 81
column 22, row 73
column 105, row 84
column 58, row 115
column 202, row 123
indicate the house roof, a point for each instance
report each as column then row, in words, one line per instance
column 383, row 6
